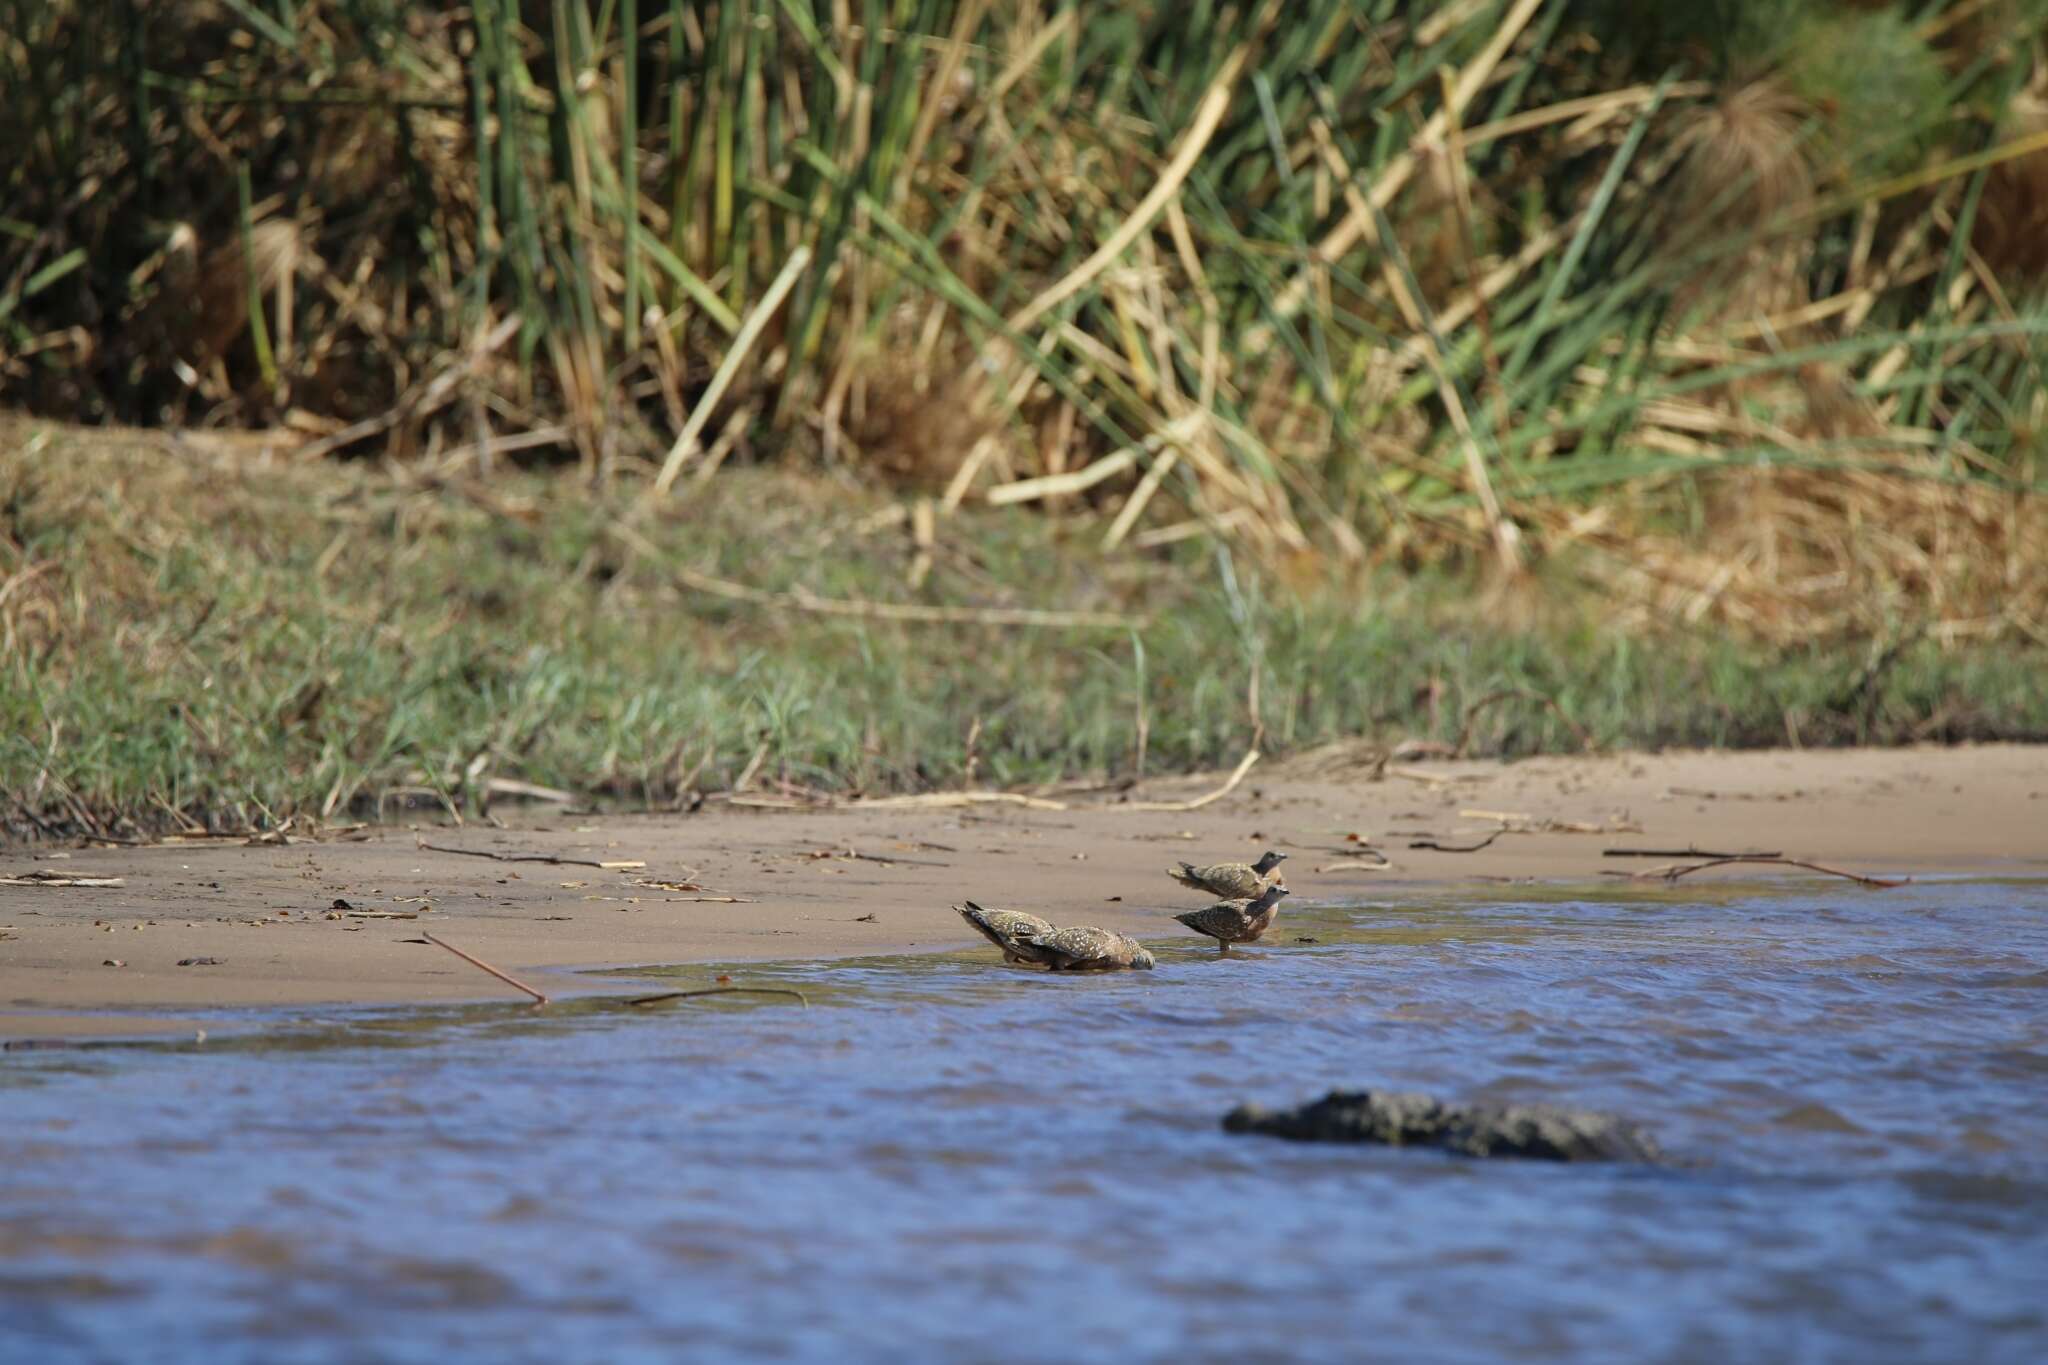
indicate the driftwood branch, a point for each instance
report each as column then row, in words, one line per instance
column 482, row 965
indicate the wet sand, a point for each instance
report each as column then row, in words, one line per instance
column 266, row 914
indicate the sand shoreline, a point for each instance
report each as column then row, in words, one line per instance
column 266, row 913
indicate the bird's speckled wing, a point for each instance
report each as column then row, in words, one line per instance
column 1010, row 930
column 1085, row 948
column 1230, row 880
column 1077, row 944
column 1226, row 920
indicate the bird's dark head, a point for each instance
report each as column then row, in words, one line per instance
column 1266, row 864
column 1270, row 897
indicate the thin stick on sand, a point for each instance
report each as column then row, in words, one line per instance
column 482, row 965
column 721, row 990
column 1672, row 874
column 41, row 878
column 947, row 800
column 1684, row 853
column 616, row 865
column 1459, row 848
column 1244, row 766
column 1359, row 864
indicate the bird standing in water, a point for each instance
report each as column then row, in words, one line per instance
column 1243, row 920
column 1232, row 881
column 1009, row 930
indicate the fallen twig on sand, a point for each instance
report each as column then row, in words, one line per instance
column 481, row 965
column 722, row 990
column 652, row 884
column 943, row 800
column 1359, row 864
column 1433, row 779
column 1707, row 795
column 1462, row 848
column 1685, row 853
column 950, row 800
column 58, row 879
column 249, row 835
column 768, row 802
column 1244, row 765
column 613, row 865
column 528, row 791
column 1520, row 823
column 824, row 853
column 1672, row 874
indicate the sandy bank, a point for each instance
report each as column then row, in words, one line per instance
column 267, row 914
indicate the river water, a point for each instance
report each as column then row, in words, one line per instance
column 945, row 1159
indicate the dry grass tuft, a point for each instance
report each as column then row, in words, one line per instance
column 1803, row 556
column 1451, row 291
column 2012, row 219
column 1742, row 162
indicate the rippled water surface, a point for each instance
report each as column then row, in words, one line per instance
column 945, row 1159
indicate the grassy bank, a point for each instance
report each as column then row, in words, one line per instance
column 196, row 634
column 1737, row 308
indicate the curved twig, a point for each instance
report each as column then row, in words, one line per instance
column 1672, row 874
column 721, row 990
column 1684, row 853
column 1244, row 766
column 616, row 865
column 1460, row 848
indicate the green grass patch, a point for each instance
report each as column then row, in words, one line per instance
column 229, row 641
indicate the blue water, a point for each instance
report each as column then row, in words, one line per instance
column 946, row 1159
